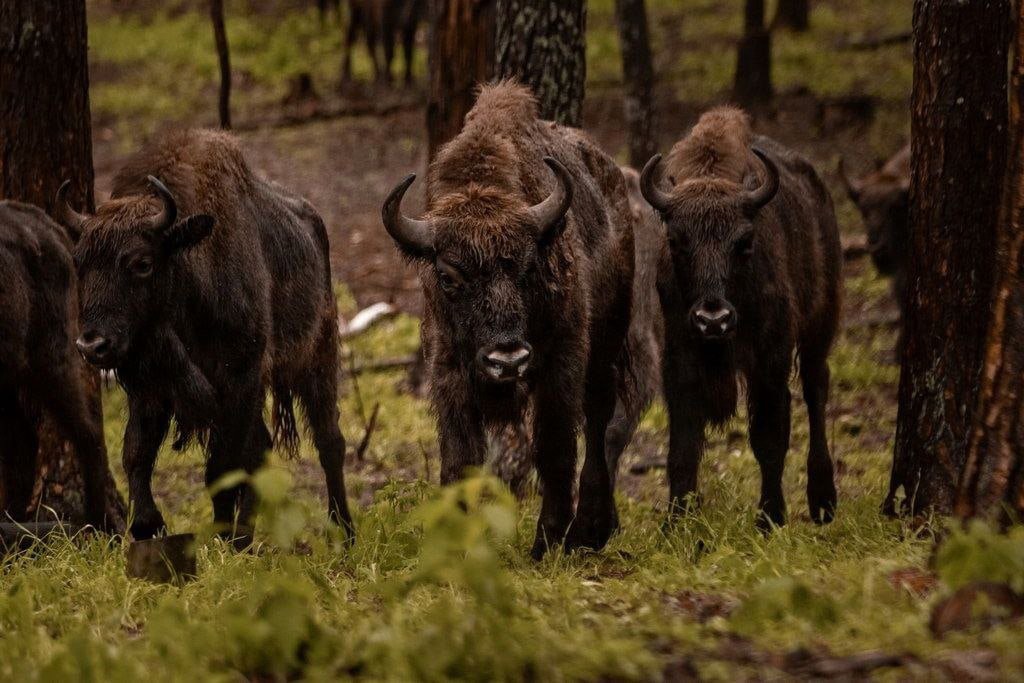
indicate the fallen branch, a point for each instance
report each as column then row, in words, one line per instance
column 875, row 42
column 371, row 426
column 365, row 320
column 382, row 365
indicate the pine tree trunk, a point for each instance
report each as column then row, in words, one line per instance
column 992, row 483
column 542, row 44
column 461, row 58
column 959, row 122
column 638, row 77
column 753, row 85
column 220, row 37
column 794, row 15
column 45, row 138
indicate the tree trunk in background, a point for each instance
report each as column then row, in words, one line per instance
column 992, row 483
column 461, row 57
column 220, row 37
column 638, row 79
column 543, row 45
column 753, row 85
column 793, row 14
column 959, row 121
column 45, row 138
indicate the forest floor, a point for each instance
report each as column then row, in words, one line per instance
column 429, row 592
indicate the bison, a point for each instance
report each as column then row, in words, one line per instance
column 388, row 21
column 525, row 256
column 40, row 370
column 883, row 198
column 202, row 285
column 752, row 278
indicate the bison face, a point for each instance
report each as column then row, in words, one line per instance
column 484, row 305
column 126, row 259
column 712, row 240
column 480, row 259
column 886, row 216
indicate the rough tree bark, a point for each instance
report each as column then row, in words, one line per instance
column 638, row 78
column 959, row 122
column 753, row 84
column 220, row 37
column 461, row 57
column 45, row 138
column 992, row 482
column 542, row 44
column 794, row 15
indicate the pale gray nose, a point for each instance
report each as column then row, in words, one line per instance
column 505, row 362
column 714, row 319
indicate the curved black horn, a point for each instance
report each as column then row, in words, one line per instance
column 852, row 187
column 165, row 219
column 757, row 198
column 660, row 200
column 65, row 215
column 549, row 212
column 415, row 237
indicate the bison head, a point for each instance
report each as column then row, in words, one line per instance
column 126, row 256
column 480, row 255
column 712, row 239
column 884, row 203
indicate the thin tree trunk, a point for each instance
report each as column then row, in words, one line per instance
column 753, row 85
column 542, row 44
column 638, row 78
column 794, row 15
column 992, row 483
column 959, row 122
column 461, row 57
column 45, row 138
column 220, row 37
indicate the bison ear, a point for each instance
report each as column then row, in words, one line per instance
column 188, row 233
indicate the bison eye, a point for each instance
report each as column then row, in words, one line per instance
column 744, row 246
column 141, row 267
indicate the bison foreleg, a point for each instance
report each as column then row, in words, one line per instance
column 195, row 400
column 821, row 487
column 555, row 458
column 769, row 408
column 147, row 427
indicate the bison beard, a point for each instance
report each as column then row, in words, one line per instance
column 526, row 262
column 39, row 367
column 754, row 276
column 201, row 294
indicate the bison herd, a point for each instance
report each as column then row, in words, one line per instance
column 559, row 288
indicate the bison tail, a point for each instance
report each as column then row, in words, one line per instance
column 286, row 429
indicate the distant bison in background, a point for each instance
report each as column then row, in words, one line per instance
column 388, row 21
column 40, row 370
column 526, row 262
column 883, row 198
column 202, row 289
column 755, row 265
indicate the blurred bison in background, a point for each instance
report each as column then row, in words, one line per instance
column 883, row 198
column 756, row 265
column 526, row 262
column 40, row 370
column 386, row 20
column 201, row 293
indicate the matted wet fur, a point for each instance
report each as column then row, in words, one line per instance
column 202, row 312
column 40, row 370
column 496, row 281
column 754, row 281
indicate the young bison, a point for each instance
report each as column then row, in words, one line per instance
column 526, row 261
column 202, row 290
column 754, row 276
column 39, row 367
column 883, row 198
